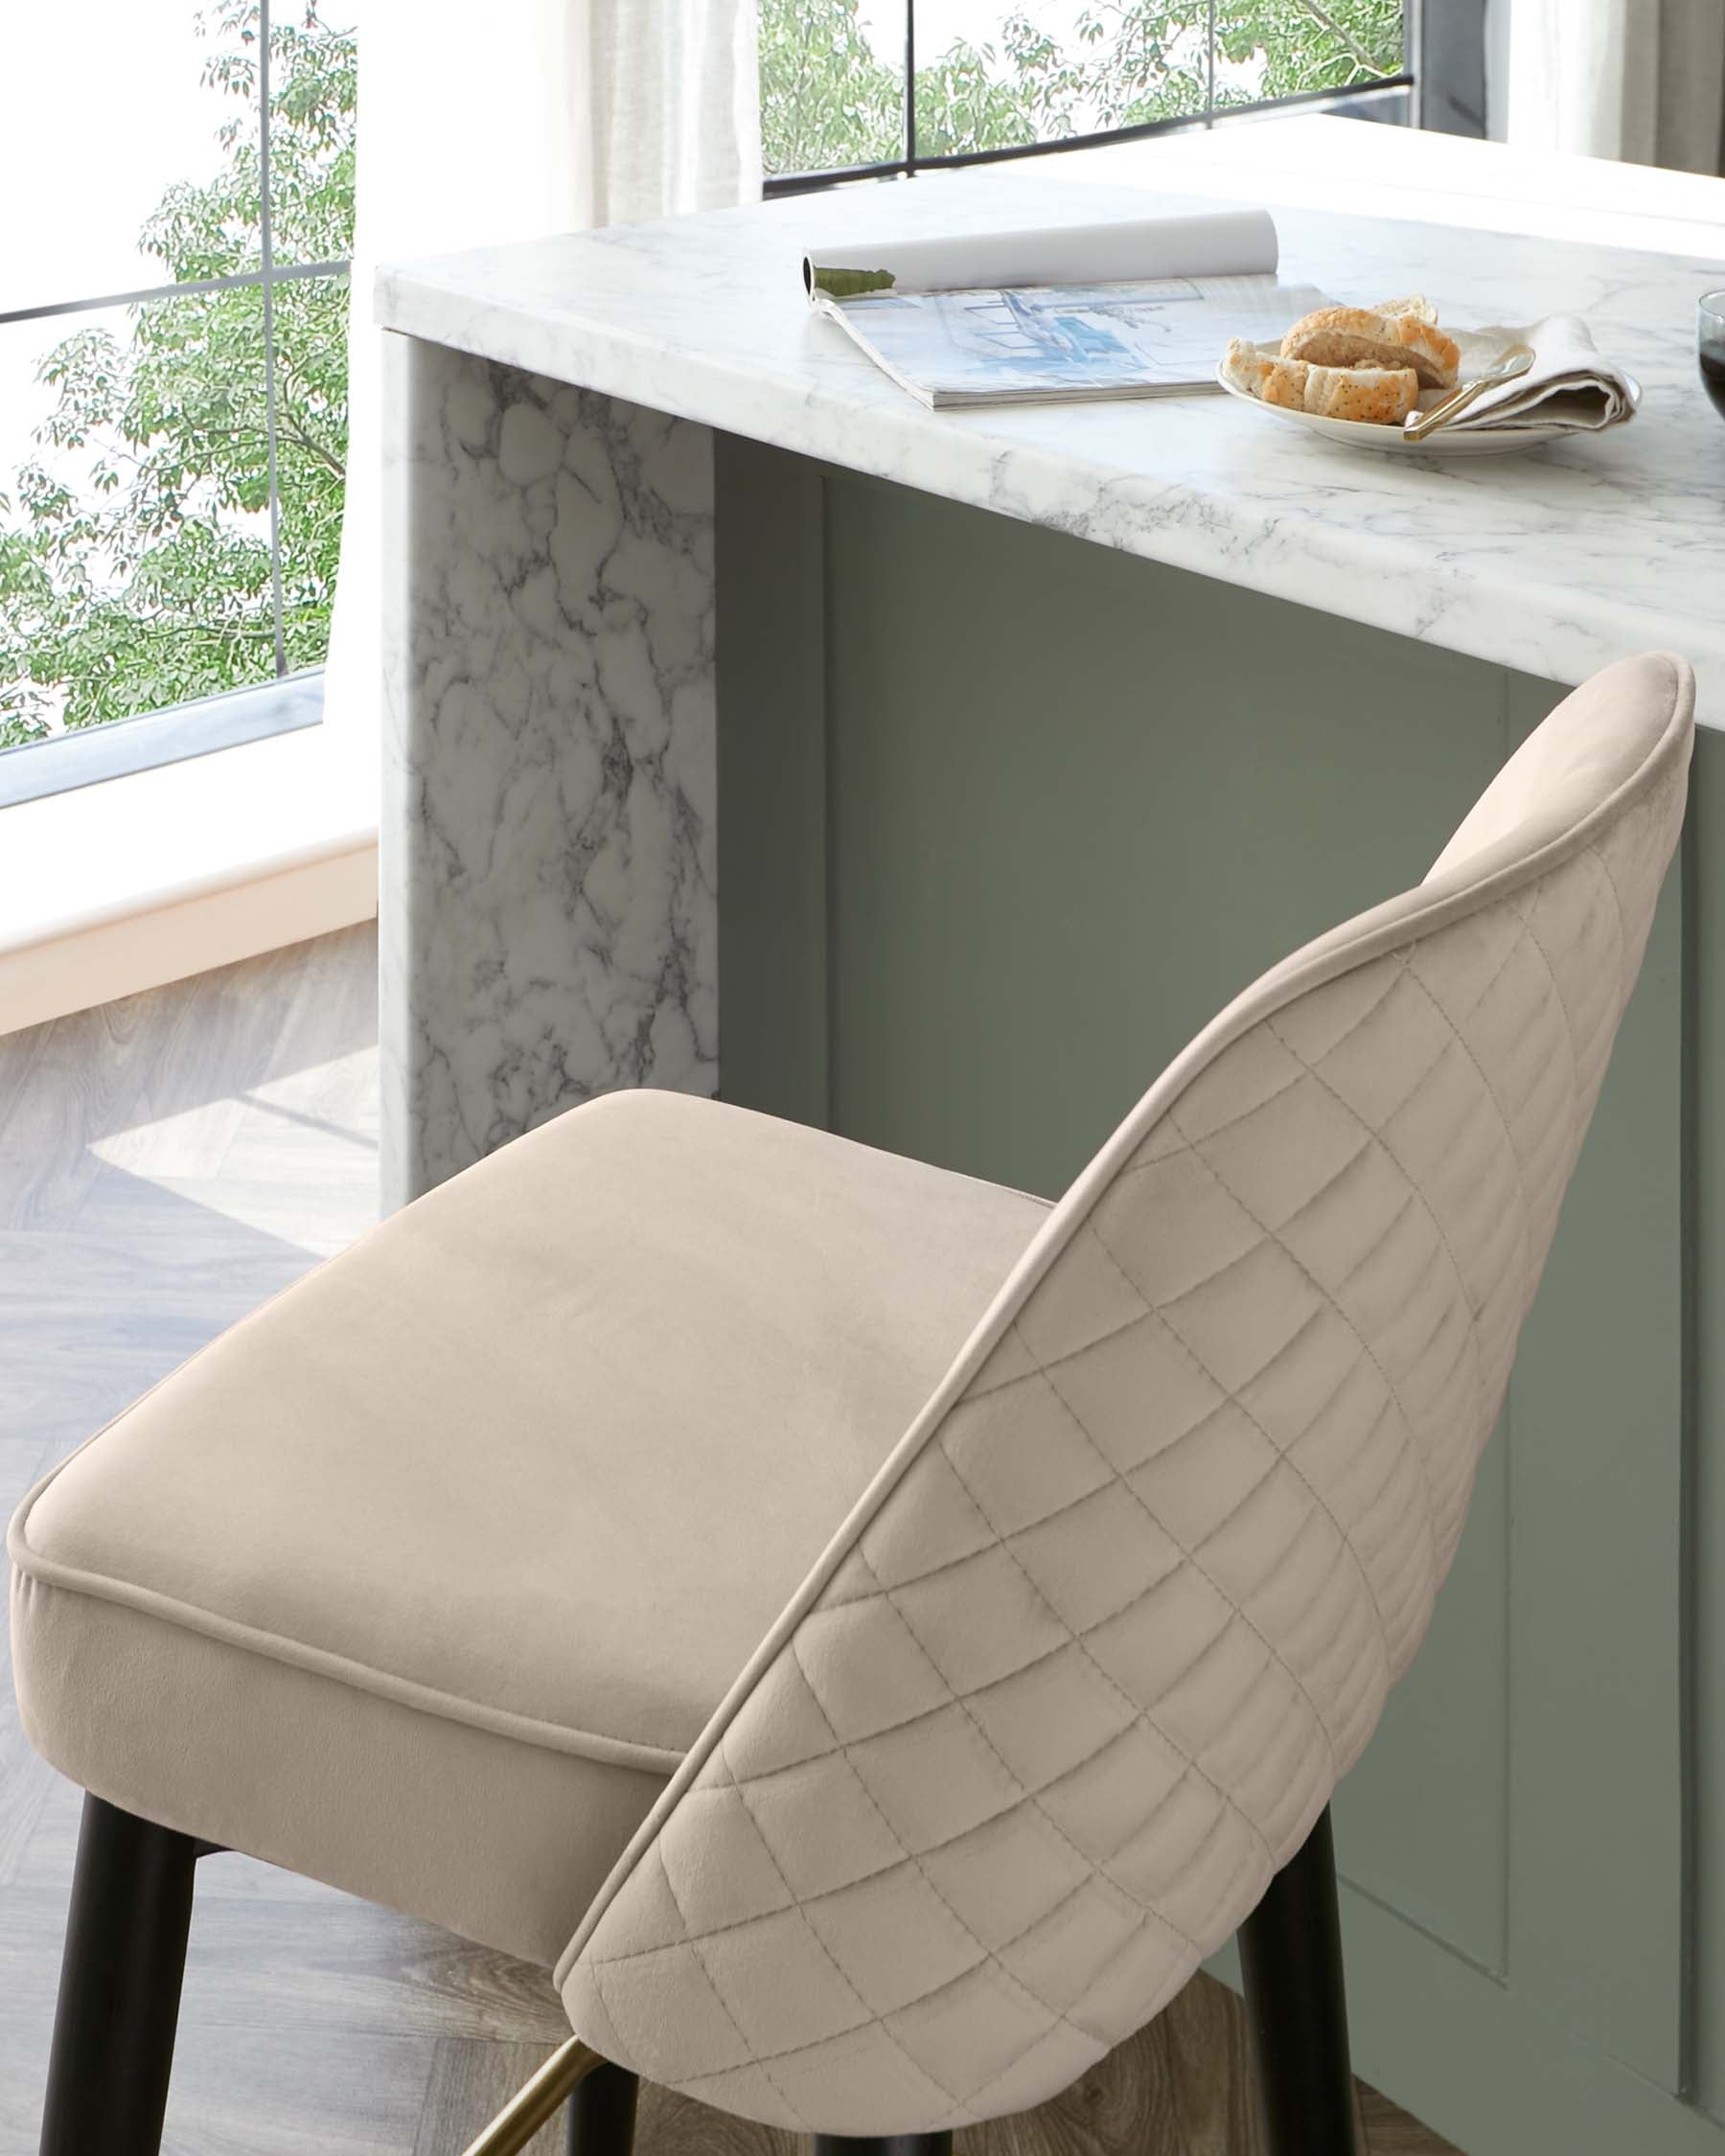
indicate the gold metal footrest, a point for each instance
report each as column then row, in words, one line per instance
column 536, row 2102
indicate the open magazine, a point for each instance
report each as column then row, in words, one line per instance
column 1135, row 308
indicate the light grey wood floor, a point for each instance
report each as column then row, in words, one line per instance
column 166, row 1164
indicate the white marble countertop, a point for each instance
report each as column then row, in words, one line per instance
column 1554, row 561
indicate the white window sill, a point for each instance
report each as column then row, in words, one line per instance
column 122, row 885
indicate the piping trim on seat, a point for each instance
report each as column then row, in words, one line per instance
column 384, row 1684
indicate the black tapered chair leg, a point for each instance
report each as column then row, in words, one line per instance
column 602, row 2113
column 1296, row 2006
column 120, row 1986
column 882, row 2144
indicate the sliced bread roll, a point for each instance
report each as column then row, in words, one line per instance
column 1363, row 336
column 1261, row 375
column 1414, row 304
column 1371, row 396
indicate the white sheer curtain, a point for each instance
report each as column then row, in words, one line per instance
column 507, row 121
column 1638, row 79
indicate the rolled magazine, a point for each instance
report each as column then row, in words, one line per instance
column 1134, row 308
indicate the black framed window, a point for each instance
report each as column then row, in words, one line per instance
column 173, row 377
column 862, row 88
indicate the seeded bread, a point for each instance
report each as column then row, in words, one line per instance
column 1414, row 304
column 1371, row 396
column 1366, row 337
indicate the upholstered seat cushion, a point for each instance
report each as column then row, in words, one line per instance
column 422, row 1579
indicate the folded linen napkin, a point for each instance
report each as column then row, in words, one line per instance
column 1569, row 384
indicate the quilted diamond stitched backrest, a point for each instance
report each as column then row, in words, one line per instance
column 1087, row 1661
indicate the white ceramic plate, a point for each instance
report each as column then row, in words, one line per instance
column 1478, row 352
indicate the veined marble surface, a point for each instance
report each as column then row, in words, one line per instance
column 548, row 845
column 1556, row 561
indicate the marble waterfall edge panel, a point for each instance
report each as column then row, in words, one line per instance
column 548, row 840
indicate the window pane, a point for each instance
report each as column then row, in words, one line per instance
column 1278, row 49
column 147, row 119
column 135, row 529
column 314, row 85
column 831, row 83
column 992, row 76
column 312, row 410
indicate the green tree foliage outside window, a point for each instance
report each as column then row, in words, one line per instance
column 829, row 99
column 146, row 579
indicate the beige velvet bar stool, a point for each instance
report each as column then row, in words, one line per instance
column 872, row 1633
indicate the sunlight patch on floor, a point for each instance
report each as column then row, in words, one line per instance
column 294, row 1157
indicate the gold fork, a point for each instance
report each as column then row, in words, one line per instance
column 1418, row 425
